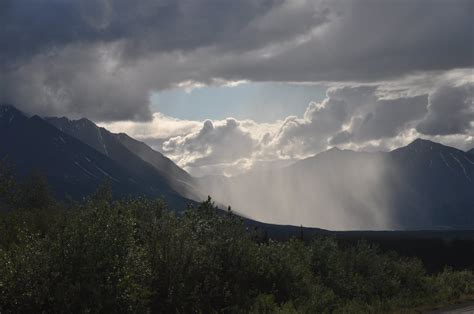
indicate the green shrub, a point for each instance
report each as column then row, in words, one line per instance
column 135, row 255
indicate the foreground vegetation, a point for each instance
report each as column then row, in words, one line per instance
column 134, row 255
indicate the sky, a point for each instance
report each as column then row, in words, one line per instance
column 226, row 87
column 260, row 101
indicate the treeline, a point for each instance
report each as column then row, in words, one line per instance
column 134, row 255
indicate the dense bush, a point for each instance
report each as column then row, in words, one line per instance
column 136, row 256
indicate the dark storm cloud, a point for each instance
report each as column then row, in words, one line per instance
column 451, row 111
column 102, row 58
column 372, row 40
column 387, row 118
column 148, row 26
column 76, row 82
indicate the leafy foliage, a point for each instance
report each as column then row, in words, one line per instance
column 134, row 255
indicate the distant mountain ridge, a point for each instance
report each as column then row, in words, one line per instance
column 129, row 153
column 436, row 185
column 424, row 185
column 72, row 167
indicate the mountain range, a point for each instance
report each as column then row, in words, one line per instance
column 424, row 185
column 77, row 156
column 130, row 154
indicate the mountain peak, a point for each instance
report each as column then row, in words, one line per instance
column 10, row 110
column 86, row 121
column 74, row 126
column 9, row 114
column 421, row 142
column 420, row 145
column 83, row 122
column 427, row 145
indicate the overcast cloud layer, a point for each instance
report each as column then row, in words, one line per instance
column 102, row 58
column 397, row 70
